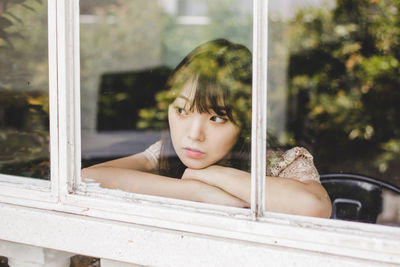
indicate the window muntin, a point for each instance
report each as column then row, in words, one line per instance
column 115, row 59
column 332, row 88
column 24, row 104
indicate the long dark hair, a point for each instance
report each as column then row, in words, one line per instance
column 220, row 70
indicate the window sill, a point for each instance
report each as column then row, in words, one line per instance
column 253, row 245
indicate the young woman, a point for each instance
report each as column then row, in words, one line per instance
column 207, row 143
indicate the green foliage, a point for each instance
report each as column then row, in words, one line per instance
column 24, row 107
column 23, row 46
column 156, row 117
column 8, row 19
column 391, row 154
column 344, row 84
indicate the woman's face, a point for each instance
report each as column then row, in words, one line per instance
column 199, row 139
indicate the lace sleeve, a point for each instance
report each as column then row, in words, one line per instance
column 296, row 163
column 152, row 153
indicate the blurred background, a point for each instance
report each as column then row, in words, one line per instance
column 24, row 106
column 333, row 72
column 337, row 67
column 128, row 49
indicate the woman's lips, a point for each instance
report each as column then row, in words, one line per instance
column 193, row 153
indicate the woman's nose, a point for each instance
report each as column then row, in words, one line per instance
column 196, row 130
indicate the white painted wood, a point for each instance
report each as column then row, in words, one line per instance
column 15, row 189
column 75, row 65
column 53, row 95
column 64, row 96
column 111, row 263
column 154, row 246
column 90, row 236
column 338, row 237
column 25, row 191
column 20, row 255
column 31, row 183
column 69, row 95
column 259, row 106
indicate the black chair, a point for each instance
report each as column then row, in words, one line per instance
column 355, row 197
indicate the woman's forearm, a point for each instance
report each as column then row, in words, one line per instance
column 286, row 195
column 234, row 181
column 133, row 181
column 282, row 194
column 151, row 184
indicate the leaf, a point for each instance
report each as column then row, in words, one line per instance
column 14, row 17
column 16, row 35
column 4, row 23
column 27, row 7
column 5, row 37
column 18, row 1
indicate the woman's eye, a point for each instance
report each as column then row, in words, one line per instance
column 218, row 119
column 181, row 111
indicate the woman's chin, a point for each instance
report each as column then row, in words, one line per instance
column 195, row 164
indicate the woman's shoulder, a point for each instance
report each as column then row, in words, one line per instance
column 296, row 163
column 155, row 148
column 152, row 153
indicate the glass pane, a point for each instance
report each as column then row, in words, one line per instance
column 334, row 89
column 24, row 108
column 129, row 90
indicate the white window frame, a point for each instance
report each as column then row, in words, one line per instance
column 130, row 227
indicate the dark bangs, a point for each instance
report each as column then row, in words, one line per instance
column 211, row 95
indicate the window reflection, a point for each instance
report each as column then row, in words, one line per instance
column 333, row 84
column 24, row 130
column 128, row 49
column 204, row 105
